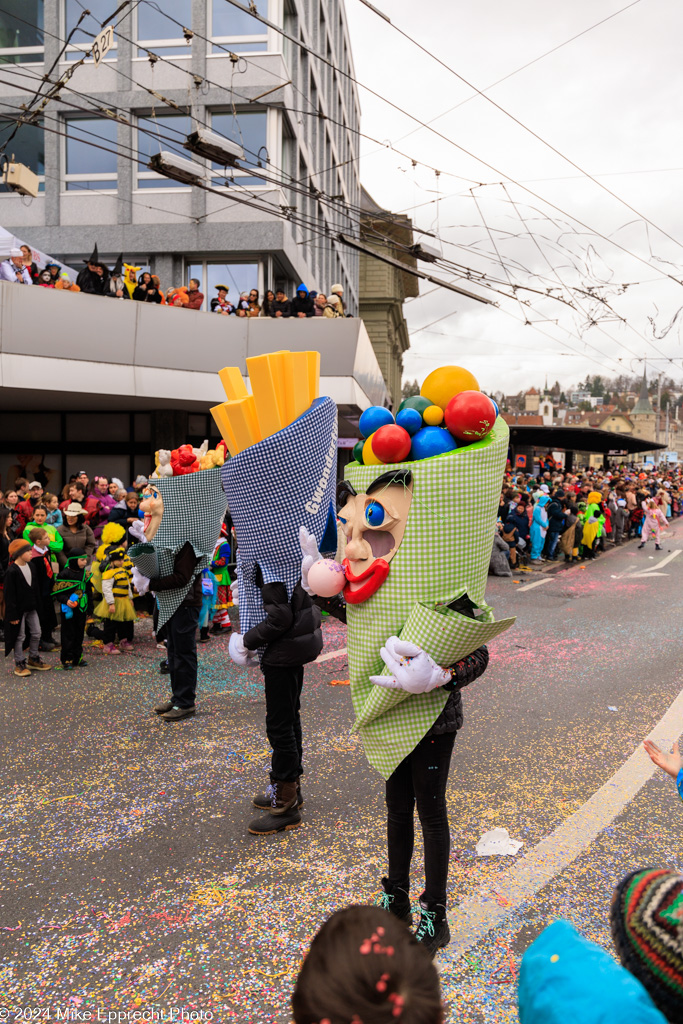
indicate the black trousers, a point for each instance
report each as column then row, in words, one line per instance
column 73, row 629
column 112, row 627
column 283, row 721
column 181, row 646
column 421, row 778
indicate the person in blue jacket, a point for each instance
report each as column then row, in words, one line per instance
column 539, row 528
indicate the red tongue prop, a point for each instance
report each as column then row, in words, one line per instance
column 371, row 580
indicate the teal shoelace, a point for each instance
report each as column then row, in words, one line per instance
column 426, row 924
column 384, row 901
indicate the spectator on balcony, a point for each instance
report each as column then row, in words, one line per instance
column 242, row 307
column 268, row 300
column 337, row 300
column 156, row 283
column 322, row 306
column 29, row 262
column 220, row 303
column 254, row 304
column 178, row 297
column 13, row 269
column 116, row 286
column 45, row 280
column 65, row 284
column 194, row 296
column 55, row 270
column 94, row 277
column 302, row 305
column 145, row 291
column 281, row 306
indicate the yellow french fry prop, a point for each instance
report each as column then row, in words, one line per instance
column 298, row 385
column 222, row 421
column 244, row 422
column 266, row 394
column 313, row 375
column 233, row 383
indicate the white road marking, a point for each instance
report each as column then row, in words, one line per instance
column 635, row 572
column 476, row 916
column 538, row 583
column 329, row 655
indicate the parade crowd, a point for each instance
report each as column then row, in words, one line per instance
column 125, row 281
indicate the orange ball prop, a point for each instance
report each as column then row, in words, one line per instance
column 369, row 457
column 443, row 384
column 433, row 416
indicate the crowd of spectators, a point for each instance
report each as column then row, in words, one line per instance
column 124, row 282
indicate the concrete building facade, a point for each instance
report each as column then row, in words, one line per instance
column 177, row 66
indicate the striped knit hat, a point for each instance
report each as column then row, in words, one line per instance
column 647, row 928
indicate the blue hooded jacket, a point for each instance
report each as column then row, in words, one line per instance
column 539, row 525
column 302, row 305
column 565, row 977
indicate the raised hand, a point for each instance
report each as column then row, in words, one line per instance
column 670, row 763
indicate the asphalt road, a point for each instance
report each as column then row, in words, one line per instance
column 129, row 880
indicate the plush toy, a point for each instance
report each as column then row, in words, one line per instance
column 215, row 457
column 178, row 297
column 162, row 460
column 201, row 451
column 184, row 460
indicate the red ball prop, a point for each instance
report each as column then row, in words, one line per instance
column 391, row 443
column 470, row 416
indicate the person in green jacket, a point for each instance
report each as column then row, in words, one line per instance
column 40, row 520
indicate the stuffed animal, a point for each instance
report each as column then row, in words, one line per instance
column 163, row 461
column 184, row 460
column 177, row 297
column 215, row 457
column 202, row 450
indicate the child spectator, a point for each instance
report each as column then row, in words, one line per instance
column 511, row 538
column 621, row 518
column 44, row 575
column 54, row 515
column 21, row 610
column 116, row 607
column 74, row 601
column 209, row 593
column 242, row 308
column 40, row 516
column 365, row 966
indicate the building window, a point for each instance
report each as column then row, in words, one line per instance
column 249, row 130
column 27, row 147
column 239, row 277
column 89, row 27
column 232, row 29
column 90, row 154
column 20, row 42
column 167, row 132
column 160, row 28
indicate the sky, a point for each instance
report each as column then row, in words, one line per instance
column 611, row 101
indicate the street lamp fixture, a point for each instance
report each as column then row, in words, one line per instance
column 177, row 167
column 214, row 147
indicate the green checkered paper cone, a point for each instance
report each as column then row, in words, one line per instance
column 444, row 554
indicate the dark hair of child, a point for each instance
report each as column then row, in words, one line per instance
column 365, row 967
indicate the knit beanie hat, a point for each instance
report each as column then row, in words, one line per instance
column 75, row 554
column 647, row 928
column 18, row 547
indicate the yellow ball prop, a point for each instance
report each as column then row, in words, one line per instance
column 433, row 416
column 369, row 457
column 443, row 384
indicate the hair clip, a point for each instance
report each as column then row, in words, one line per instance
column 398, row 1003
column 372, row 945
column 381, row 985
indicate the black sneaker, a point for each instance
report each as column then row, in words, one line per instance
column 81, row 664
column 433, row 931
column 396, row 901
column 164, row 668
column 263, row 801
column 204, row 637
column 67, row 666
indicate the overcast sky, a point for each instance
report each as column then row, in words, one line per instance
column 611, row 101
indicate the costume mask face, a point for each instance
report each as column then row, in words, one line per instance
column 374, row 523
column 152, row 505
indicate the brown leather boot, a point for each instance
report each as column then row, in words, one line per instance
column 283, row 813
column 284, row 797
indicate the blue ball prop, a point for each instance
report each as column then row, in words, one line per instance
column 410, row 420
column 374, row 418
column 495, row 406
column 432, row 441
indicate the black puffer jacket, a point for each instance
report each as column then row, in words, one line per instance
column 290, row 632
column 464, row 673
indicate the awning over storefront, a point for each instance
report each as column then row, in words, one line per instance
column 580, row 439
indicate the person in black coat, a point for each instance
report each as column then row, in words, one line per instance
column 42, row 569
column 74, row 601
column 94, row 278
column 145, row 291
column 289, row 638
column 21, row 609
column 302, row 305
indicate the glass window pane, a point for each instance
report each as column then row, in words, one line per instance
column 248, row 129
column 239, row 277
column 15, row 32
column 27, row 147
column 230, row 21
column 167, row 131
column 155, row 20
column 90, row 26
column 85, row 136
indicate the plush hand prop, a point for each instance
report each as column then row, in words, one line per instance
column 413, row 670
column 235, row 594
column 239, row 653
column 137, row 530
column 140, row 582
column 310, row 555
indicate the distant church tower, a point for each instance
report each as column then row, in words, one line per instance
column 643, row 415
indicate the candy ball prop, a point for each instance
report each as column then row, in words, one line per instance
column 374, row 418
column 431, row 441
column 358, row 451
column 415, row 402
column 470, row 416
column 495, row 406
column 433, row 416
column 391, row 443
column 410, row 420
column 326, row 578
column 369, row 457
column 441, row 385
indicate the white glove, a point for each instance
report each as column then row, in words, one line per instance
column 234, row 594
column 239, row 653
column 412, row 668
column 140, row 582
column 137, row 530
column 310, row 555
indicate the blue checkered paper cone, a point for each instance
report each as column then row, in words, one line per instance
column 194, row 509
column 273, row 488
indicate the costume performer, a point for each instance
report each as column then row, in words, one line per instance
column 219, row 567
column 71, row 589
column 418, row 539
column 116, row 606
column 539, row 527
column 653, row 523
column 283, row 442
column 182, row 520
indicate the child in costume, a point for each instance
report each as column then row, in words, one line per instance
column 116, row 606
column 653, row 523
column 219, row 567
column 418, row 539
column 22, row 600
column 44, row 575
column 209, row 591
column 72, row 589
column 539, row 528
